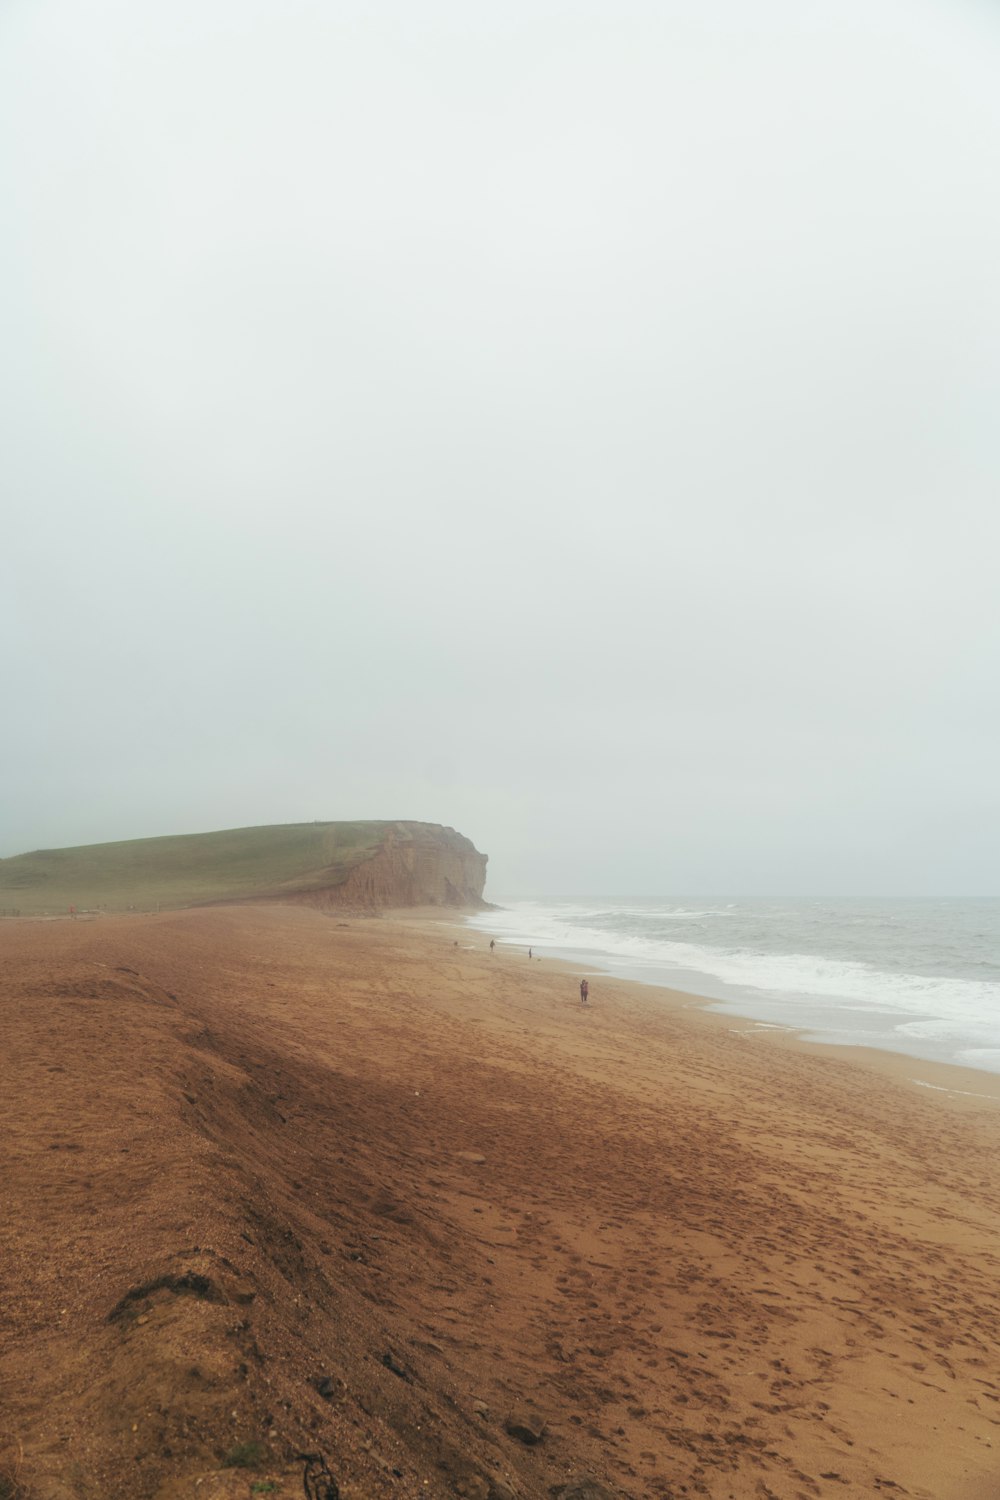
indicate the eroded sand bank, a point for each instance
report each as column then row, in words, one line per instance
column 252, row 1150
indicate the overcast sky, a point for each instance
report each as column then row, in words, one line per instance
column 574, row 421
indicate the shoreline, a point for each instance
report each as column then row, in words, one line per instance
column 966, row 1078
column 714, row 1260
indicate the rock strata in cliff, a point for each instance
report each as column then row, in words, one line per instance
column 365, row 866
column 417, row 864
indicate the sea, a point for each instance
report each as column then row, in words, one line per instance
column 919, row 977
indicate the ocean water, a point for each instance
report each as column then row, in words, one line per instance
column 917, row 977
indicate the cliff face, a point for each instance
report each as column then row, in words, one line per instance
column 417, row 864
column 364, row 865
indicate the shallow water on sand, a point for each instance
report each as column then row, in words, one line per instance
column 916, row 977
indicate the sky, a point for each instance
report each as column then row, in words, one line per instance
column 570, row 421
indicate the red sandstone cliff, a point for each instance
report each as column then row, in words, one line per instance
column 365, row 865
column 417, row 864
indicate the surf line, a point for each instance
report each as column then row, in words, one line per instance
column 939, row 1088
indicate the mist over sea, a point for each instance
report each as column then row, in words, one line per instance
column 920, row 977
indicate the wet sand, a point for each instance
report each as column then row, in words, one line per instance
column 253, row 1149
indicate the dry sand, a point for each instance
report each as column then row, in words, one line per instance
column 275, row 1182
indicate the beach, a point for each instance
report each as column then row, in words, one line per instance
column 915, row 977
column 281, row 1182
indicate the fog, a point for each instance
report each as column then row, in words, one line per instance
column 572, row 423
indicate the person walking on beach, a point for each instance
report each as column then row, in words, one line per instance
column 493, row 944
column 529, row 952
column 584, row 991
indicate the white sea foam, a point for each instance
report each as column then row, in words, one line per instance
column 802, row 974
column 732, row 953
column 939, row 1088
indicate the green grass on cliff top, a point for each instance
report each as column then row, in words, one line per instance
column 186, row 869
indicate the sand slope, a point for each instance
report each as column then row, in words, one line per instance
column 276, row 1182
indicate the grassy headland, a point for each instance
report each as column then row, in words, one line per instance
column 188, row 869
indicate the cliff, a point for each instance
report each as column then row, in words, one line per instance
column 416, row 864
column 363, row 866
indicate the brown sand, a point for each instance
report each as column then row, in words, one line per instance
column 248, row 1151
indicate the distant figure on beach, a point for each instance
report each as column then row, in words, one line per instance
column 529, row 952
column 492, row 944
column 584, row 991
